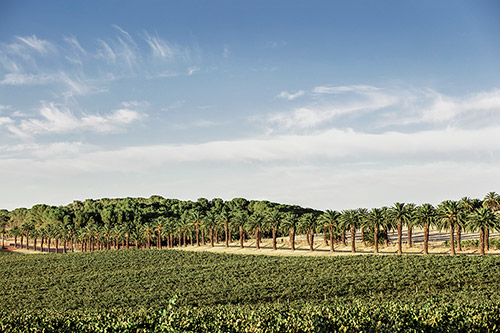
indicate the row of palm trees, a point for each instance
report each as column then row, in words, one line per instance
column 158, row 222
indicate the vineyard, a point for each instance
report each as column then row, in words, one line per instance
column 168, row 290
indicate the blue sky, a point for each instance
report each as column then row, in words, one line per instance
column 325, row 104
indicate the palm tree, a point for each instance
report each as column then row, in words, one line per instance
column 448, row 212
column 239, row 221
column 330, row 220
column 160, row 223
column 309, row 222
column 148, row 232
column 210, row 222
column 411, row 208
column 426, row 215
column 4, row 219
column 375, row 219
column 466, row 206
column 290, row 222
column 197, row 218
column 400, row 215
column 350, row 218
column 273, row 218
column 481, row 219
column 224, row 218
column 491, row 201
column 257, row 223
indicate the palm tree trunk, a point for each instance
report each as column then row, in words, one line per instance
column 203, row 237
column 332, row 249
column 41, row 244
column 410, row 241
column 184, row 239
column 342, row 237
column 459, row 237
column 22, row 244
column 159, row 239
column 292, row 239
column 386, row 241
column 34, row 244
column 426, row 238
column 197, row 236
column 48, row 244
column 308, row 240
column 15, row 241
column 311, row 243
column 274, row 239
column 452, row 239
column 257, row 238
column 226, row 234
column 57, row 245
column 229, row 237
column 481, row 241
column 375, row 238
column 211, row 237
column 353, row 238
column 242, row 234
column 400, row 236
column 487, row 238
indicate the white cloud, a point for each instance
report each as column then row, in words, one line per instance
column 58, row 119
column 333, row 147
column 442, row 108
column 106, row 52
column 18, row 79
column 159, row 47
column 5, row 120
column 40, row 45
column 192, row 70
column 343, row 89
column 290, row 96
column 320, row 113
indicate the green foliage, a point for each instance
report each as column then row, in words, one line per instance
column 165, row 290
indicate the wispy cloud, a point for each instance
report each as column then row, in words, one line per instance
column 289, row 95
column 159, row 47
column 59, row 120
column 343, row 89
column 434, row 107
column 40, row 45
column 316, row 113
column 192, row 70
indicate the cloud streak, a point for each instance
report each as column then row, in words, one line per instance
column 57, row 119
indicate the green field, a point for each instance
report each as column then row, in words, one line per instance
column 166, row 290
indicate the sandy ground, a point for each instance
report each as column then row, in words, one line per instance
column 436, row 246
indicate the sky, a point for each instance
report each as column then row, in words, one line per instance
column 324, row 104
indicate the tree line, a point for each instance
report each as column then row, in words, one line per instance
column 159, row 222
